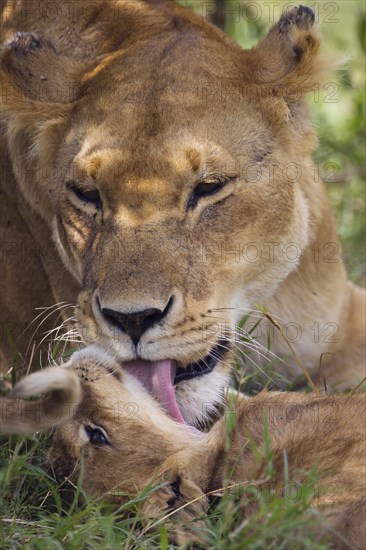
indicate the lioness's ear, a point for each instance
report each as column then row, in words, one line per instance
column 63, row 391
column 288, row 57
column 32, row 70
column 38, row 89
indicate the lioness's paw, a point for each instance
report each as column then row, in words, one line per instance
column 302, row 17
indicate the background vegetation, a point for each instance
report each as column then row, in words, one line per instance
column 33, row 515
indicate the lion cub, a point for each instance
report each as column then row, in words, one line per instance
column 126, row 440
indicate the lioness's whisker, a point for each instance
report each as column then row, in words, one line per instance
column 250, row 359
column 53, row 309
column 72, row 332
column 242, row 351
column 257, row 344
column 253, row 313
column 46, row 309
column 59, row 327
column 57, row 330
column 243, row 333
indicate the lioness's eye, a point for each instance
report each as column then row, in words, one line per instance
column 96, row 436
column 87, row 195
column 206, row 189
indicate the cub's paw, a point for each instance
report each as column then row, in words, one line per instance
column 302, row 17
column 181, row 503
column 179, row 494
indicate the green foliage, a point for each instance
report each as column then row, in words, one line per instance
column 33, row 516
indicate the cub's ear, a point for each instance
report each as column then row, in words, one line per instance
column 288, row 59
column 33, row 73
column 62, row 391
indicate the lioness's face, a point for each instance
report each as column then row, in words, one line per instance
column 174, row 191
column 164, row 209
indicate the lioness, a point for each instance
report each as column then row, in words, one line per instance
column 125, row 441
column 159, row 158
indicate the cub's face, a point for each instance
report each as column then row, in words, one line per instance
column 117, row 437
column 171, row 200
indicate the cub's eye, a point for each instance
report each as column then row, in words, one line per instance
column 86, row 195
column 207, row 188
column 96, row 436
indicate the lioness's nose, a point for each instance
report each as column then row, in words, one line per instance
column 136, row 323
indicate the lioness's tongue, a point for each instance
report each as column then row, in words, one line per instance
column 158, row 378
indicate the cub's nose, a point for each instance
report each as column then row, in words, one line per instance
column 136, row 323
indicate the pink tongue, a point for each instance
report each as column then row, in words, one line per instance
column 158, row 378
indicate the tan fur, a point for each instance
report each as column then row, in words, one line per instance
column 63, row 391
column 142, row 101
column 308, row 433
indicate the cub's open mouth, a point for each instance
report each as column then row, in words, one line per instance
column 161, row 377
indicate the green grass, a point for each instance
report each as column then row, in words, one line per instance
column 35, row 517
